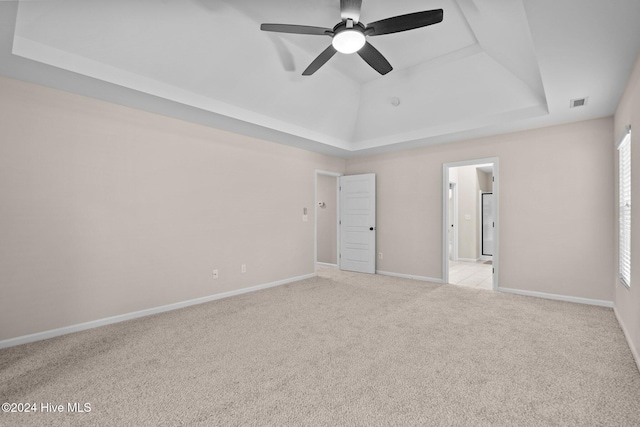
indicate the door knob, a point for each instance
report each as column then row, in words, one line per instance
column 372, row 228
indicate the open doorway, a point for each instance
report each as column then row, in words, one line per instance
column 345, row 222
column 470, row 228
column 327, row 211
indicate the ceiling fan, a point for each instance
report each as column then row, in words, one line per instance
column 349, row 35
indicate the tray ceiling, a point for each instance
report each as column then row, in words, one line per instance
column 489, row 67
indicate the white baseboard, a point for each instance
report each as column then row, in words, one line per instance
column 410, row 276
column 588, row 301
column 468, row 259
column 142, row 313
column 634, row 351
column 326, row 264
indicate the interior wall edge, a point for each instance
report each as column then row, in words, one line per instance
column 632, row 346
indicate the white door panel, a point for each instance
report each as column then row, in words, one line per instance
column 358, row 223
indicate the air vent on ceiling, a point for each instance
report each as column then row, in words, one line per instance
column 581, row 102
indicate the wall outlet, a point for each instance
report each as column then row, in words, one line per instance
column 215, row 274
column 379, row 255
column 243, row 268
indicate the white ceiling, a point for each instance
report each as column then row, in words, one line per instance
column 491, row 66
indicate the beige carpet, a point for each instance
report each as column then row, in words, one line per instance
column 344, row 349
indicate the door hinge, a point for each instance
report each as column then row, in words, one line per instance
column 493, row 224
column 493, row 270
column 493, row 179
column 340, row 222
column 340, row 188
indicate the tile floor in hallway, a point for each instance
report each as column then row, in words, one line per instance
column 472, row 274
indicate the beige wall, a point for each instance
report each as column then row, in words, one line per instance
column 484, row 180
column 108, row 210
column 327, row 220
column 555, row 212
column 627, row 301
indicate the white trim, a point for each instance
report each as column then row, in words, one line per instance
column 634, row 351
column 410, row 276
column 627, row 131
column 495, row 189
column 323, row 172
column 326, row 264
column 315, row 219
column 446, row 184
column 142, row 313
column 479, row 223
column 471, row 162
column 496, row 215
column 579, row 300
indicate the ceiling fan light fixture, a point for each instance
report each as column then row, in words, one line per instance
column 348, row 41
column 349, row 35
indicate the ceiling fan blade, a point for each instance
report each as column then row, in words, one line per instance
column 350, row 9
column 406, row 22
column 297, row 29
column 373, row 57
column 320, row 61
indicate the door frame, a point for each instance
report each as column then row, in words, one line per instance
column 337, row 176
column 445, row 215
column 454, row 203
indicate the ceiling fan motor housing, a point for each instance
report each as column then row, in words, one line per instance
column 348, row 36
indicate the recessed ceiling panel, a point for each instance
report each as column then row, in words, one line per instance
column 431, row 98
column 215, row 60
column 488, row 65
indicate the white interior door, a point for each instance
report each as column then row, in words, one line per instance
column 358, row 223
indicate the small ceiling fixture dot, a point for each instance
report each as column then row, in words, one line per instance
column 395, row 101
